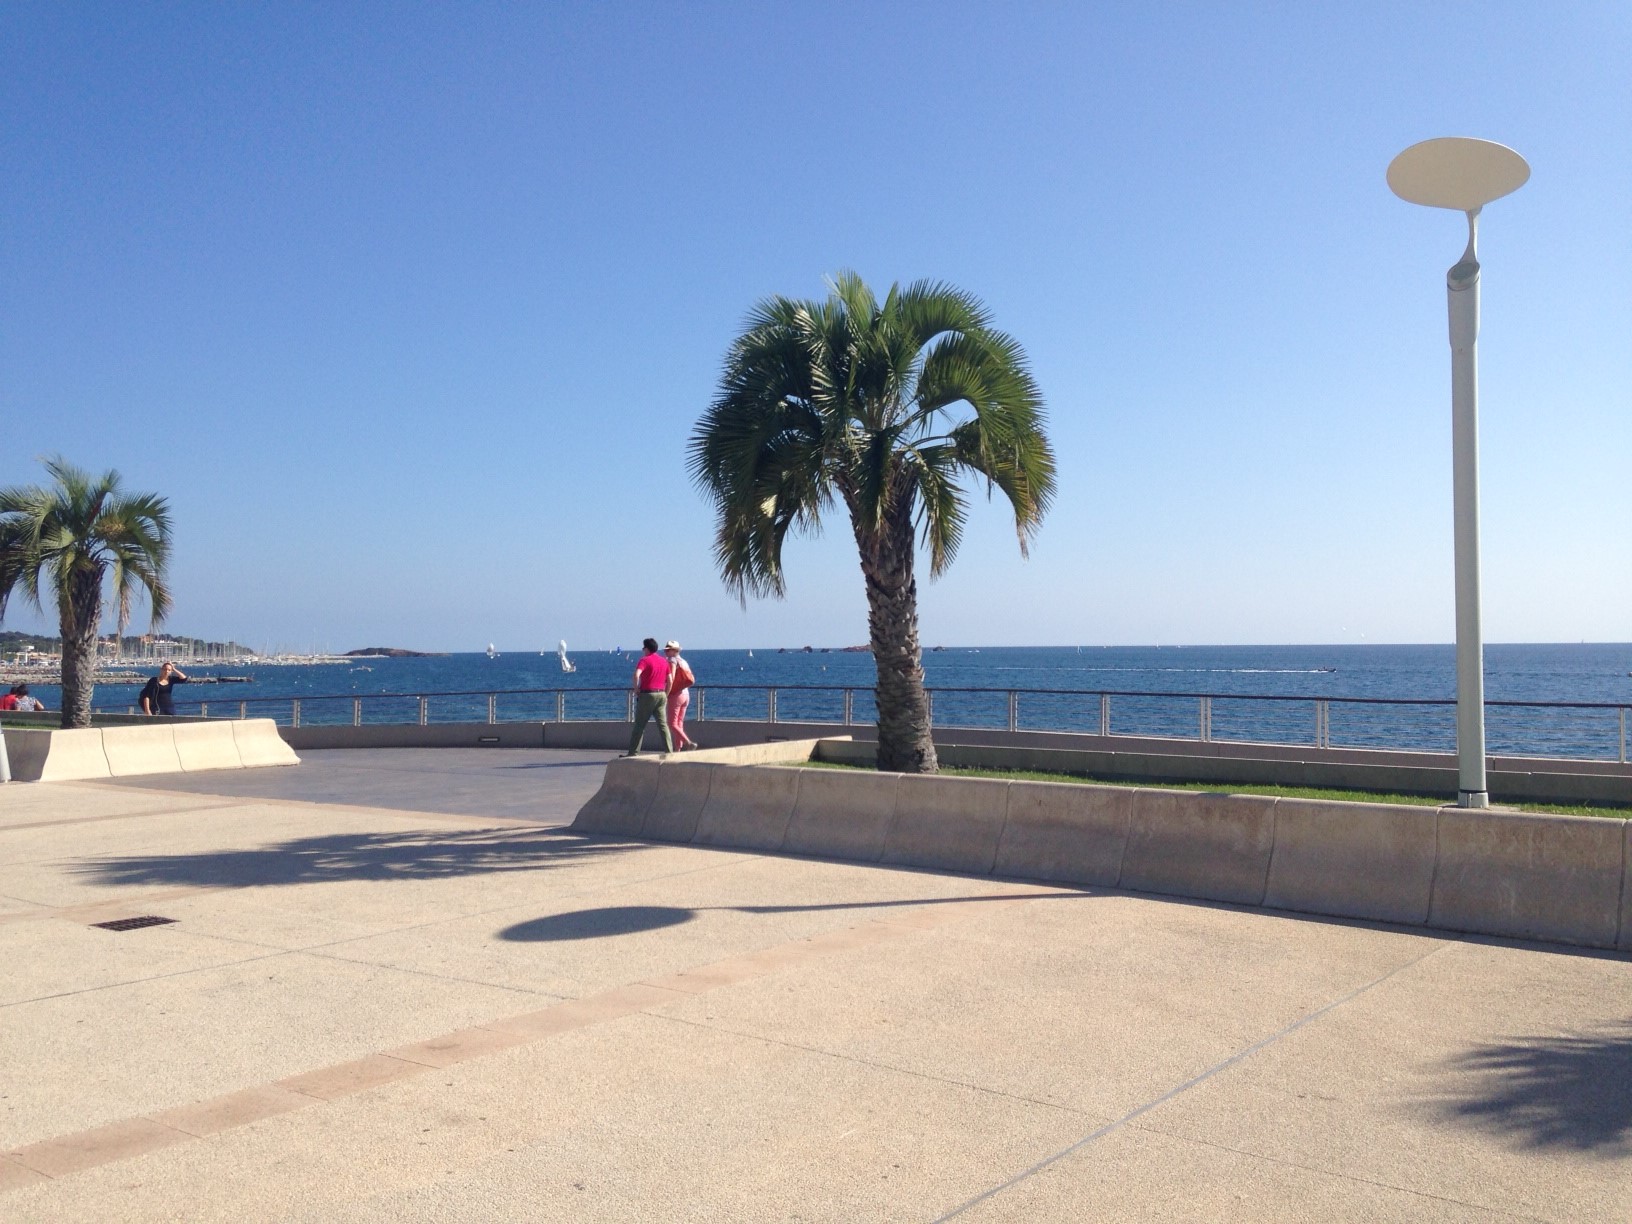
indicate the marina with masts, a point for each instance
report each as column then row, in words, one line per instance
column 37, row 659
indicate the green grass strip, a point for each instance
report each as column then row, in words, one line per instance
column 1609, row 812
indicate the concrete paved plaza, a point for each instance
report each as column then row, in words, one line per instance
column 397, row 989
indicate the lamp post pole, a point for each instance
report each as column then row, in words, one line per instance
column 1462, row 297
column 1456, row 172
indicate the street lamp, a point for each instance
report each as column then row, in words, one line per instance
column 1456, row 172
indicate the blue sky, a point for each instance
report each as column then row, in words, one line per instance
column 410, row 309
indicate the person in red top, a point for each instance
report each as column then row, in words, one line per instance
column 651, row 697
column 23, row 701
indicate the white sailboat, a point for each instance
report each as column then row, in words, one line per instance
column 491, row 653
column 567, row 665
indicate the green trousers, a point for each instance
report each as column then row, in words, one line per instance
column 646, row 706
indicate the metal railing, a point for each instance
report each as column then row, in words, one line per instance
column 1578, row 729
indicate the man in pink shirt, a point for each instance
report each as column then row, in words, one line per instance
column 651, row 697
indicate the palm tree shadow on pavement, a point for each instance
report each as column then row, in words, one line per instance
column 1570, row 1092
column 417, row 855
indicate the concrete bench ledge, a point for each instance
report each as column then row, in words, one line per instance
column 1561, row 879
column 152, row 748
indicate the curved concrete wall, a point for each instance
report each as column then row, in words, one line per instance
column 56, row 756
column 259, row 743
column 1363, row 860
column 146, row 748
column 1558, row 878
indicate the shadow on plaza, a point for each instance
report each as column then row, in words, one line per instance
column 1569, row 1092
column 418, row 855
column 631, row 919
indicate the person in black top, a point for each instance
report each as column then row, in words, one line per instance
column 156, row 696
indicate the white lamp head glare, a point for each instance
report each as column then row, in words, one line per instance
column 1458, row 172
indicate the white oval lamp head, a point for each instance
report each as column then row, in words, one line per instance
column 1457, row 172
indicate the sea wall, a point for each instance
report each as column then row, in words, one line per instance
column 36, row 755
column 1561, row 879
column 1514, row 779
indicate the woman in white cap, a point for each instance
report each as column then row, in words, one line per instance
column 681, row 679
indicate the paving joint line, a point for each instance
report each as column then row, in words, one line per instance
column 76, row 820
column 157, row 977
column 1188, row 1084
column 372, row 809
column 875, row 1065
column 320, row 950
column 316, row 949
column 1338, row 1173
column 499, row 909
column 67, row 913
column 408, row 1066
column 440, row 977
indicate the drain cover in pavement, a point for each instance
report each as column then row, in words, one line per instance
column 133, row 924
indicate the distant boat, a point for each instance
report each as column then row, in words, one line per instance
column 750, row 654
column 491, row 653
column 567, row 665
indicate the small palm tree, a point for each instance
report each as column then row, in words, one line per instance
column 853, row 401
column 69, row 539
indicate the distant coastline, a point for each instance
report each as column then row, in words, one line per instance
column 392, row 652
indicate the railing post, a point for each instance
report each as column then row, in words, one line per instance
column 203, row 709
column 1323, row 724
column 492, row 708
column 1206, row 719
column 1105, row 714
column 243, row 709
column 1623, row 735
column 560, row 705
column 424, row 711
column 629, row 706
column 356, row 711
column 929, row 706
column 770, row 704
column 849, row 707
column 701, row 703
column 294, row 712
column 1014, row 710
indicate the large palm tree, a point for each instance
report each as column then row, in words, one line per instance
column 884, row 407
column 70, row 539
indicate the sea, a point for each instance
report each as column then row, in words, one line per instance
column 1262, row 693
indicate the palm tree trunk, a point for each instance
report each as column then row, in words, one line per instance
column 904, row 742
column 80, row 608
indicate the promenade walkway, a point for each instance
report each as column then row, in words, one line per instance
column 397, row 988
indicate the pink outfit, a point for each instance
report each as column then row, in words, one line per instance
column 677, row 716
column 680, row 681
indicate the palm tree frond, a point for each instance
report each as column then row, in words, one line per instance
column 942, row 508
